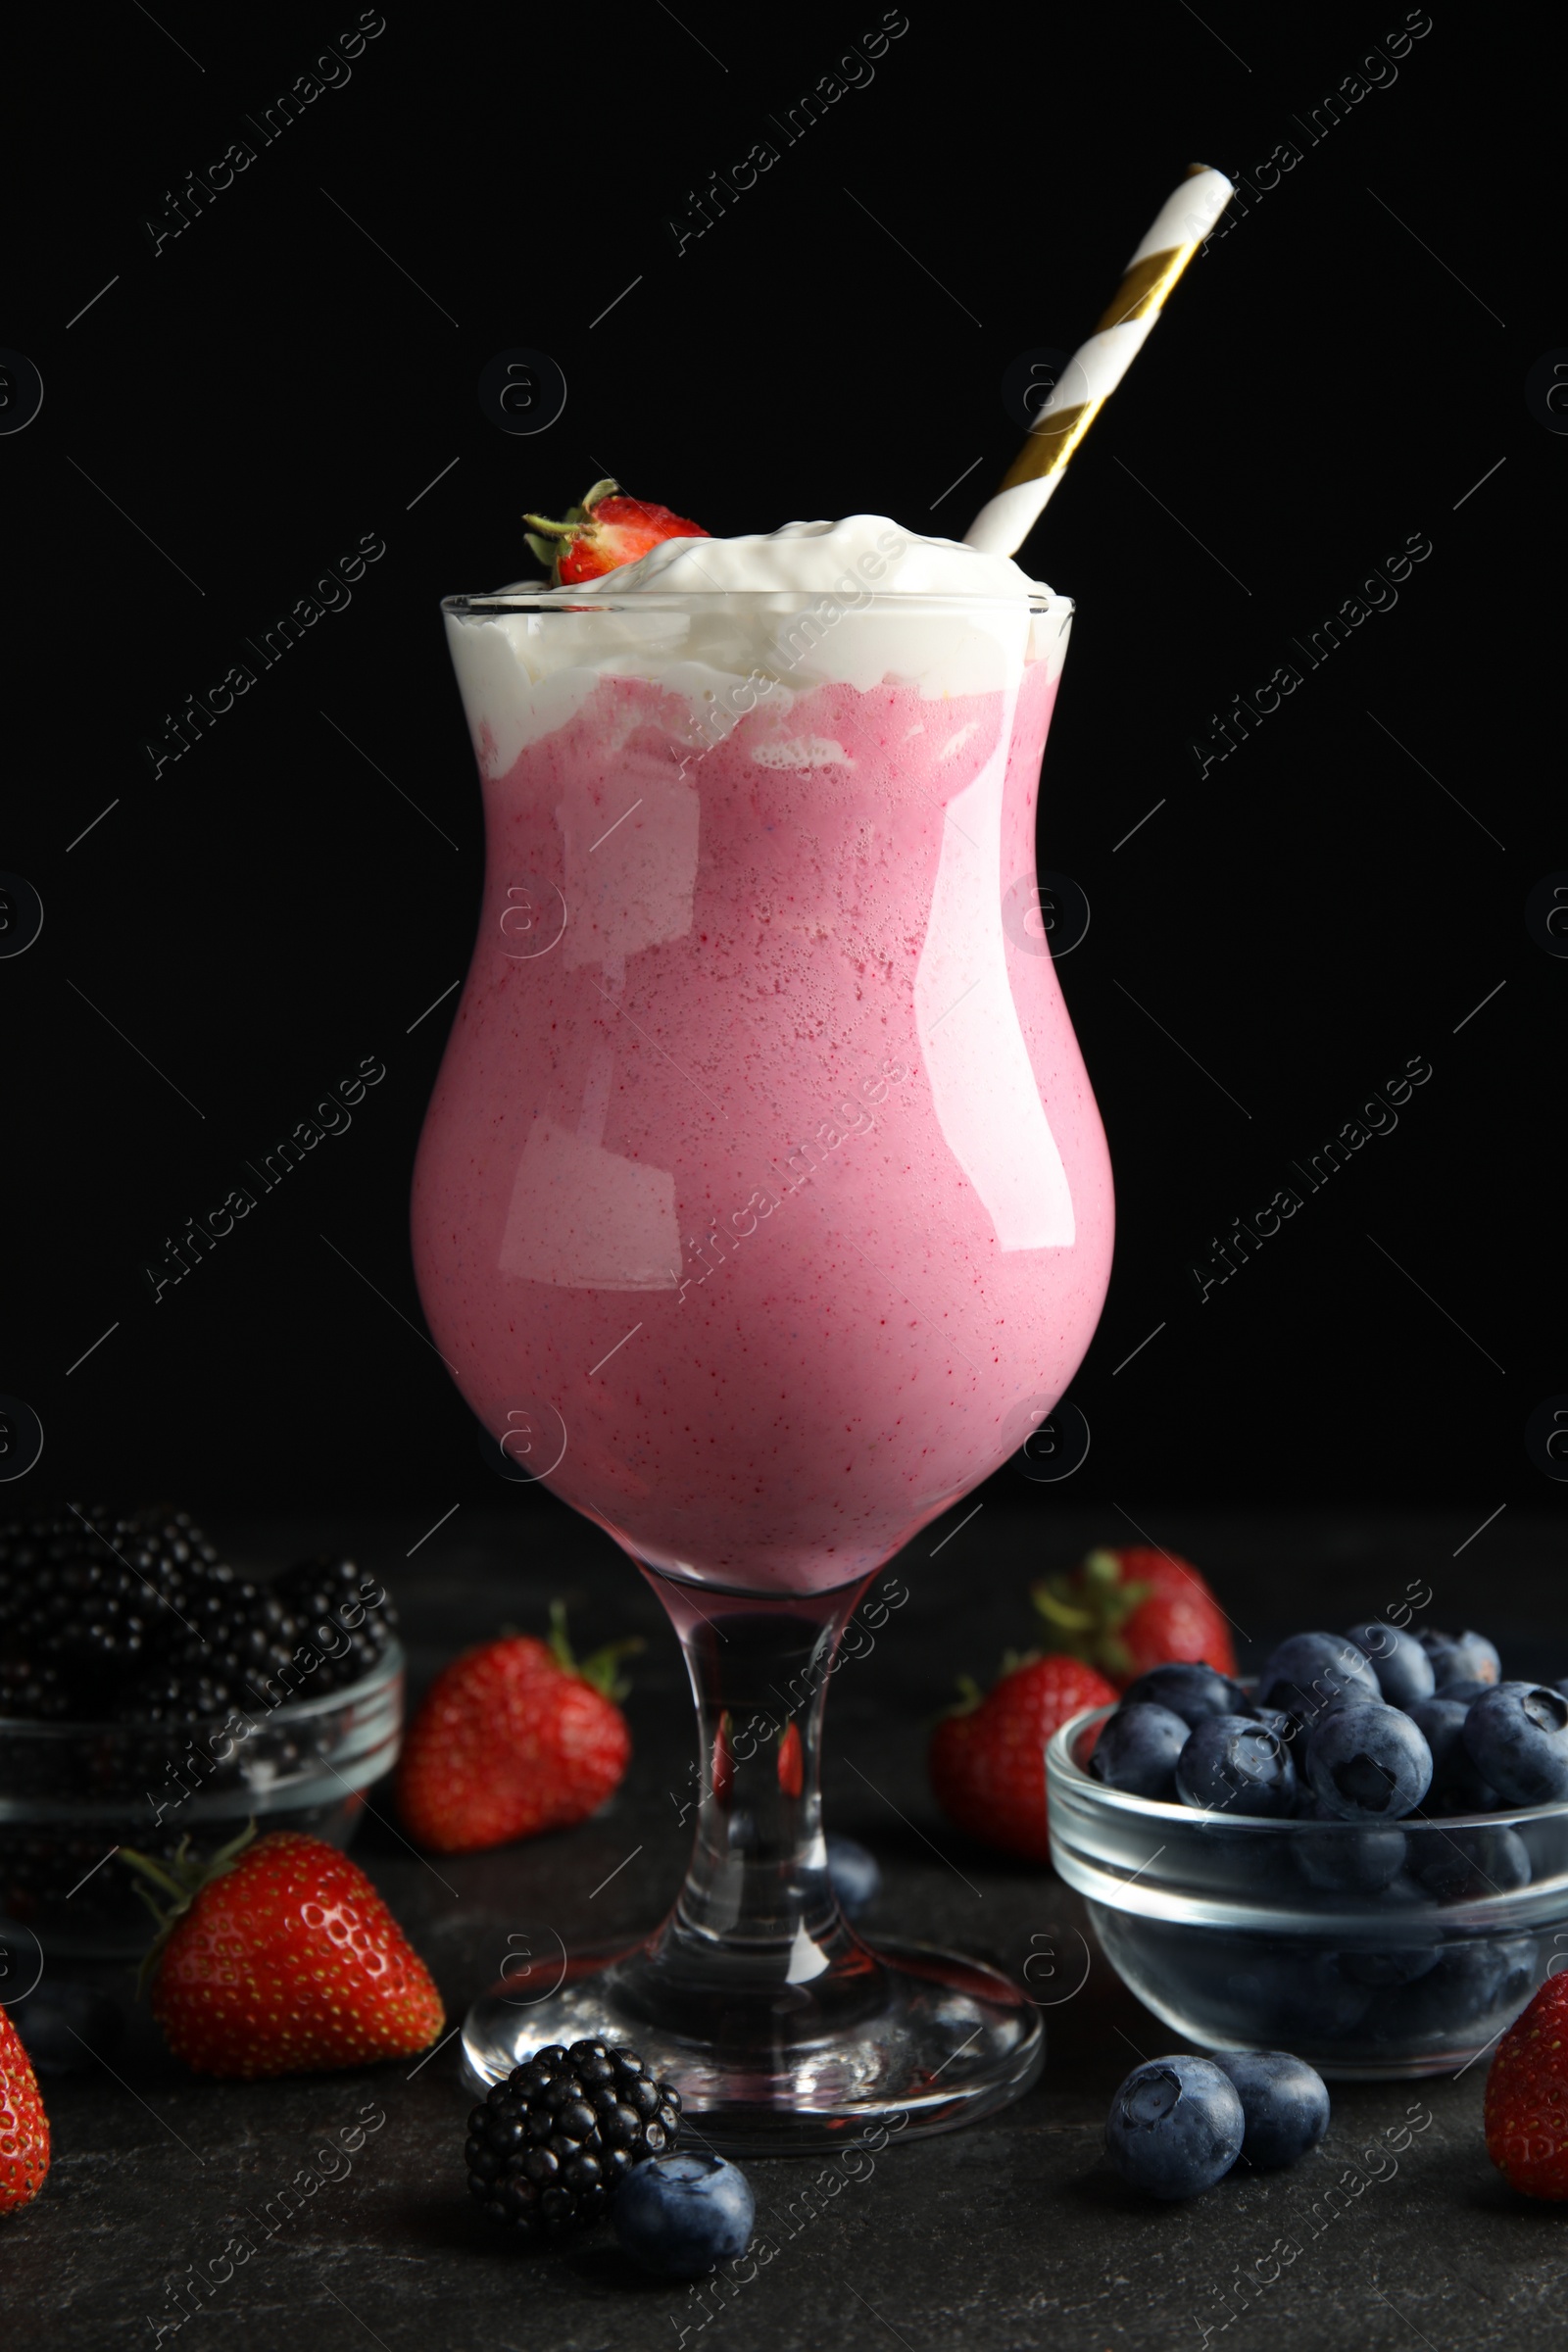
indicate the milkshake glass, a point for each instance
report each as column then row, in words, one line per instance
column 762, row 1208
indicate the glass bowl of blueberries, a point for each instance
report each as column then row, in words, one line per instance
column 150, row 1692
column 1361, row 1856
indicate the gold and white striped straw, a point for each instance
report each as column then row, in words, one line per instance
column 1097, row 366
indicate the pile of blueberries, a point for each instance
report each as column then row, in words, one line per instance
column 1371, row 1727
column 1385, row 1742
column 1178, row 2125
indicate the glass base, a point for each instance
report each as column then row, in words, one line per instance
column 902, row 2037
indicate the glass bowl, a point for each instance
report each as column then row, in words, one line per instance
column 1248, row 1934
column 72, row 1794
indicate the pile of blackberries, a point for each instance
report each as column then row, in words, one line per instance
column 551, row 2143
column 133, row 1617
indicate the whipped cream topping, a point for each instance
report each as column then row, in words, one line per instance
column 792, row 608
column 863, row 552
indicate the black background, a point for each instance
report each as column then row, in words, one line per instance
column 1304, row 919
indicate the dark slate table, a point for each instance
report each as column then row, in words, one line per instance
column 1012, row 2233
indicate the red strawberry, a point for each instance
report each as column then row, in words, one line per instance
column 987, row 1760
column 723, row 1774
column 470, row 1773
column 281, row 1958
column 23, row 2124
column 1526, row 2097
column 609, row 529
column 585, row 1748
column 791, row 1762
column 513, row 1737
column 1125, row 1611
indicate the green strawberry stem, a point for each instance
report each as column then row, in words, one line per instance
column 548, row 539
column 970, row 1695
column 182, row 1879
column 1086, row 1610
column 601, row 1670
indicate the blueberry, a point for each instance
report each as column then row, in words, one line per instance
column 1284, row 2103
column 856, row 1874
column 1402, row 1668
column 1231, row 1764
column 1479, row 1798
column 1474, row 1983
column 1137, row 1750
column 1370, row 1763
column 682, row 2214
column 1190, row 1691
column 1467, row 1866
column 1461, row 1658
column 1308, row 1997
column 1340, row 1860
column 1175, row 2127
column 1465, row 1695
column 1309, row 1674
column 1440, row 1723
column 1390, row 1964
column 1517, row 1736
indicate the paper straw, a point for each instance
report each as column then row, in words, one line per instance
column 1097, row 366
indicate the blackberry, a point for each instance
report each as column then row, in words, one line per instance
column 327, row 1597
column 88, row 1601
column 134, row 1617
column 33, row 1692
column 229, row 1638
column 551, row 2143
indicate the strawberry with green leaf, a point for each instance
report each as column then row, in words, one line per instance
column 278, row 1957
column 1125, row 1611
column 987, row 1756
column 609, row 529
column 511, row 1739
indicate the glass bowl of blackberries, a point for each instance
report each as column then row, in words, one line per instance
column 150, row 1692
column 1361, row 1855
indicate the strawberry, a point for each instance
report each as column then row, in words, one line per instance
column 514, row 1738
column 987, row 1760
column 1526, row 2097
column 281, row 1958
column 469, row 1774
column 1125, row 1611
column 585, row 1748
column 23, row 2124
column 609, row 529
column 791, row 1762
column 723, row 1774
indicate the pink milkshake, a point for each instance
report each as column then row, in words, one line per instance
column 762, row 1202
column 763, row 1206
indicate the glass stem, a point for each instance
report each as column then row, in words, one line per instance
column 757, row 1912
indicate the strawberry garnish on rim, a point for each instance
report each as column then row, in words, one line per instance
column 609, row 529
